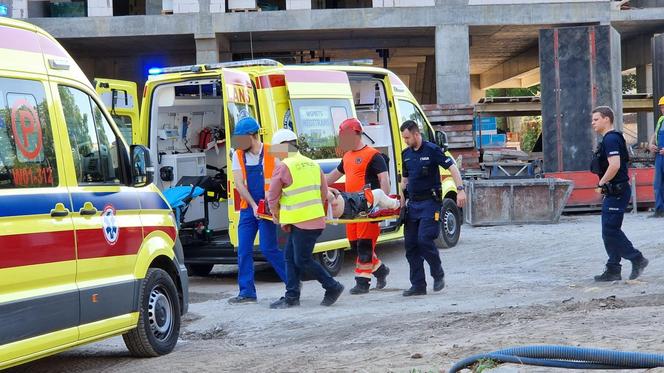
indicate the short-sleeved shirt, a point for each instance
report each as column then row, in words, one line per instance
column 614, row 144
column 251, row 159
column 421, row 167
column 377, row 165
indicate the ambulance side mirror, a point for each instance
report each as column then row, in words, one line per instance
column 142, row 171
column 441, row 140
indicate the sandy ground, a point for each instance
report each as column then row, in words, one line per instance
column 506, row 286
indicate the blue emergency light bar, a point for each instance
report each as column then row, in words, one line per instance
column 213, row 66
column 4, row 10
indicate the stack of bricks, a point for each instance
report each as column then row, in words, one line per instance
column 457, row 122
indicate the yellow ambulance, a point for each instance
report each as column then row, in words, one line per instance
column 188, row 115
column 88, row 245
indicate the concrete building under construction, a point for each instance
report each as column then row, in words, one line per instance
column 447, row 51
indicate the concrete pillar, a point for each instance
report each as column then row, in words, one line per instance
column 100, row 8
column 645, row 122
column 580, row 69
column 475, row 91
column 452, row 64
column 207, row 49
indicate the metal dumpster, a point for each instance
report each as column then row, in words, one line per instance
column 516, row 201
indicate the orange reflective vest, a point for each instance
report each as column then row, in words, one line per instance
column 268, row 169
column 355, row 167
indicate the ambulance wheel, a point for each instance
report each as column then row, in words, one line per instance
column 450, row 225
column 199, row 269
column 158, row 326
column 331, row 260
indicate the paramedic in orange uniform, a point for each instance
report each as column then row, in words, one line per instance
column 363, row 166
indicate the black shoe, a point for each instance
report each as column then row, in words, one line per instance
column 609, row 275
column 331, row 296
column 361, row 286
column 414, row 291
column 284, row 303
column 241, row 300
column 637, row 268
column 657, row 214
column 439, row 284
column 381, row 276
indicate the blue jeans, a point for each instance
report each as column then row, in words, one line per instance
column 299, row 261
column 248, row 226
column 659, row 183
column 617, row 245
column 421, row 229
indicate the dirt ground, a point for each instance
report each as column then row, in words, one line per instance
column 506, row 286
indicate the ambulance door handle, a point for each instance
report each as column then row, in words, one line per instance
column 59, row 211
column 88, row 209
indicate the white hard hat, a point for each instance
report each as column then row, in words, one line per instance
column 283, row 135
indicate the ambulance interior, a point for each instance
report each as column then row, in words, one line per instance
column 188, row 119
column 371, row 107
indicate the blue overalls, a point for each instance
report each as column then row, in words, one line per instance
column 422, row 225
column 659, row 172
column 247, row 229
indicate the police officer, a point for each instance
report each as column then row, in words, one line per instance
column 656, row 147
column 251, row 162
column 422, row 188
column 610, row 164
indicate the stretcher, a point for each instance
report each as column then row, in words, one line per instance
column 335, row 221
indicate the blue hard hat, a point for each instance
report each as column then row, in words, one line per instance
column 246, row 126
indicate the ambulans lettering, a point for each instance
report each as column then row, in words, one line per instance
column 238, row 94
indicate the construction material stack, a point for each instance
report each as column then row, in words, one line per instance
column 456, row 120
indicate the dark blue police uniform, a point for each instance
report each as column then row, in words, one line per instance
column 617, row 245
column 421, row 224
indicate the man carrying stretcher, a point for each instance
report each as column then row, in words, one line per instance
column 362, row 165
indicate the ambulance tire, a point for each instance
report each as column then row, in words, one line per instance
column 158, row 326
column 450, row 225
column 331, row 260
column 201, row 270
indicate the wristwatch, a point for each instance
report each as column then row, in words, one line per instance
column 461, row 188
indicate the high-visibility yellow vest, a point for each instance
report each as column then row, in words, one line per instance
column 659, row 125
column 301, row 201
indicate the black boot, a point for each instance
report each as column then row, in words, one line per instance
column 361, row 286
column 610, row 274
column 439, row 283
column 637, row 268
column 414, row 291
column 332, row 295
column 381, row 276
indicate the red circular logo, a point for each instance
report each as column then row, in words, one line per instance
column 27, row 129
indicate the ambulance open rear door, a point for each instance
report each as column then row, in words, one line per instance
column 121, row 99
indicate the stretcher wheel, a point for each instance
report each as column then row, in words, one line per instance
column 450, row 225
column 331, row 260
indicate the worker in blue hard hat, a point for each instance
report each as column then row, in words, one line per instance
column 251, row 162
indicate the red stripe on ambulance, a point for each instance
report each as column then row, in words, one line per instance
column 36, row 248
